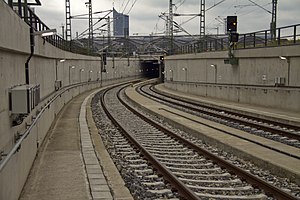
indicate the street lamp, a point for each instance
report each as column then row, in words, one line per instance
column 185, row 70
column 99, row 72
column 289, row 67
column 45, row 33
column 90, row 75
column 216, row 72
column 71, row 67
column 171, row 77
column 81, row 70
column 56, row 64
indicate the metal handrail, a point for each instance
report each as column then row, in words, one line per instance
column 36, row 23
column 233, row 85
column 257, row 39
column 17, row 146
column 286, row 35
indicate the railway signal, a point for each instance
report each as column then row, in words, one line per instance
column 231, row 23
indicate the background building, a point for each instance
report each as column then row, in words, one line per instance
column 121, row 24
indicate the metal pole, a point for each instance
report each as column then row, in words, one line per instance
column 108, row 33
column 202, row 18
column 274, row 19
column 216, row 74
column 63, row 31
column 25, row 11
column 10, row 3
column 56, row 63
column 90, row 43
column 289, row 70
column 171, row 32
column 69, row 75
column 68, row 24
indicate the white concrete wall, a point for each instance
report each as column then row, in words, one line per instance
column 243, row 83
column 14, row 51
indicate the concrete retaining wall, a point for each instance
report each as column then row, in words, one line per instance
column 252, row 81
column 44, row 69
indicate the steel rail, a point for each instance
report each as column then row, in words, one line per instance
column 167, row 174
column 271, row 190
column 227, row 132
column 242, row 121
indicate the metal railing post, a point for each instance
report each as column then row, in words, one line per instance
column 222, row 44
column 10, row 3
column 295, row 33
column 20, row 8
column 278, row 44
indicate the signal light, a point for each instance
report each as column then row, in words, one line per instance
column 232, row 23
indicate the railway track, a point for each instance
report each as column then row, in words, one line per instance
column 192, row 172
column 280, row 132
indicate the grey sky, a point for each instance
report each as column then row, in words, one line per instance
column 144, row 15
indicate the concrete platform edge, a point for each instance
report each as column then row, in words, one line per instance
column 96, row 179
column 116, row 183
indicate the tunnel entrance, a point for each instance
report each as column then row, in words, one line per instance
column 150, row 68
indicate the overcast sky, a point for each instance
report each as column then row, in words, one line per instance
column 144, row 14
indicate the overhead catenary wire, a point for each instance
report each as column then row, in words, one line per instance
column 122, row 4
column 126, row 6
column 82, row 34
column 131, row 6
column 253, row 10
column 216, row 4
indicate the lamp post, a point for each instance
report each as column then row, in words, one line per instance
column 90, row 75
column 171, row 77
column 185, row 70
column 216, row 72
column 70, row 67
column 56, row 64
column 81, row 70
column 99, row 72
column 288, row 69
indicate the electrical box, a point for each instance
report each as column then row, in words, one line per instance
column 279, row 81
column 37, row 94
column 24, row 98
column 57, row 84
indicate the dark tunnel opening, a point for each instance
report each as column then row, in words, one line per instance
column 150, row 68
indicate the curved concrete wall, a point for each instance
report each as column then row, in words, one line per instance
column 252, row 81
column 14, row 51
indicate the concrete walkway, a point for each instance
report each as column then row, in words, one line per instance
column 97, row 182
column 72, row 163
column 58, row 172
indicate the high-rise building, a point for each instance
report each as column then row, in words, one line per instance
column 121, row 24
